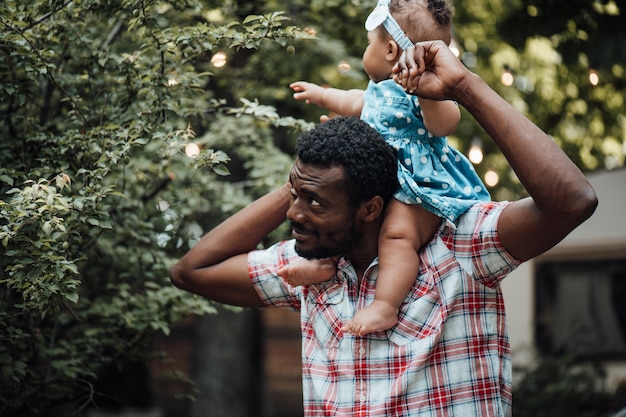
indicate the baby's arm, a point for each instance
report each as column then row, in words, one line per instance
column 441, row 118
column 343, row 102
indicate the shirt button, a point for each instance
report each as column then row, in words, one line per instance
column 362, row 351
column 362, row 398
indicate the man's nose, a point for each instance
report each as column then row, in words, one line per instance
column 294, row 212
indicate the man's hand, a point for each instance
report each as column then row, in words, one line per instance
column 430, row 70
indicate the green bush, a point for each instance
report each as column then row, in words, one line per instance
column 561, row 387
column 99, row 99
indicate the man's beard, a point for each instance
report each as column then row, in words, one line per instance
column 345, row 241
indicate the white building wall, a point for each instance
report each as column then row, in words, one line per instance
column 602, row 236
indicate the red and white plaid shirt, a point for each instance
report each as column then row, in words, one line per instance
column 449, row 353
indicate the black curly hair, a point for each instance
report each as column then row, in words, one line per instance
column 369, row 162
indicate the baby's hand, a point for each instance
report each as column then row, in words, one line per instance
column 310, row 92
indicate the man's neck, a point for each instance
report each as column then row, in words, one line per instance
column 362, row 258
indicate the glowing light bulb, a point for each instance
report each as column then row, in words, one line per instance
column 491, row 178
column 594, row 78
column 507, row 77
column 192, row 150
column 476, row 152
column 344, row 66
column 219, row 60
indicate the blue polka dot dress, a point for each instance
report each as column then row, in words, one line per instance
column 431, row 173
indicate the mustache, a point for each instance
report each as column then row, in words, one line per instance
column 300, row 228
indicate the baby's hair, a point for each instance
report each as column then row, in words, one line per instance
column 442, row 11
column 424, row 20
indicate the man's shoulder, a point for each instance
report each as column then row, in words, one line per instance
column 473, row 246
column 478, row 224
column 479, row 213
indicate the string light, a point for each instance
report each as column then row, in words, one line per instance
column 491, row 178
column 507, row 77
column 344, row 67
column 219, row 60
column 475, row 153
column 192, row 150
column 594, row 78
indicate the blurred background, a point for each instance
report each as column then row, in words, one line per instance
column 129, row 128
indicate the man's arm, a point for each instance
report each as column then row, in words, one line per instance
column 561, row 198
column 217, row 266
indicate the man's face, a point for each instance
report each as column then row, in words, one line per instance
column 322, row 222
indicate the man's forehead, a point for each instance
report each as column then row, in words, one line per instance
column 316, row 175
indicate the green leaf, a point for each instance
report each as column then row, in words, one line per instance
column 221, row 170
column 6, row 179
column 73, row 297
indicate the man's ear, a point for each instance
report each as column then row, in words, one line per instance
column 372, row 209
column 393, row 51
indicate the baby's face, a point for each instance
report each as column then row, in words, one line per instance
column 377, row 60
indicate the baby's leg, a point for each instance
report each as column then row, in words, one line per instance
column 308, row 271
column 405, row 230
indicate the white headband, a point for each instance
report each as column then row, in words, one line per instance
column 381, row 15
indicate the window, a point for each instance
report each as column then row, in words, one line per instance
column 581, row 308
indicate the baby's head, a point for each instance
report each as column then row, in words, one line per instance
column 420, row 20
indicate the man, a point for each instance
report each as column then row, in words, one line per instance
column 449, row 352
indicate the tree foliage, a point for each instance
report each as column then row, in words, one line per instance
column 562, row 387
column 550, row 47
column 99, row 100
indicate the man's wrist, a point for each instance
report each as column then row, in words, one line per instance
column 465, row 93
column 285, row 190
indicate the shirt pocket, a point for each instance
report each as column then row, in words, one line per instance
column 325, row 303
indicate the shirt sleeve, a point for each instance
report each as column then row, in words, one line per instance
column 273, row 290
column 477, row 246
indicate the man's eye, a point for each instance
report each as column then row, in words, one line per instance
column 314, row 202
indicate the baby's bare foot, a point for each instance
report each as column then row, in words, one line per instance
column 376, row 317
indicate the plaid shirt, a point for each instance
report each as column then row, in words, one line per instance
column 449, row 353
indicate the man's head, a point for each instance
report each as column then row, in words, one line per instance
column 344, row 175
column 368, row 161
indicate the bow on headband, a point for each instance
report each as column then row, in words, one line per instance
column 381, row 15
